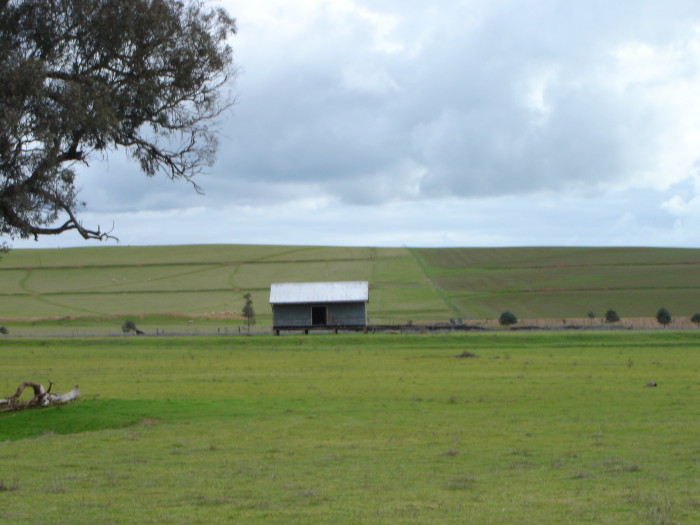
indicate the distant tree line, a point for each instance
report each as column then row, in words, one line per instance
column 663, row 317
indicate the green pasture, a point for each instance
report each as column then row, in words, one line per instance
column 523, row 428
column 480, row 283
column 191, row 289
column 199, row 289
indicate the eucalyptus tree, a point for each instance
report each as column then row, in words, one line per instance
column 83, row 78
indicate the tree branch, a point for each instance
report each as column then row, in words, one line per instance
column 42, row 397
column 89, row 76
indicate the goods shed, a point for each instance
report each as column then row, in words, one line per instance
column 304, row 306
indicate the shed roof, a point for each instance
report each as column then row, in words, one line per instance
column 330, row 292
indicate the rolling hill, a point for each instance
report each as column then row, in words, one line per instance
column 201, row 287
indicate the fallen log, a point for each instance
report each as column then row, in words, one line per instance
column 42, row 398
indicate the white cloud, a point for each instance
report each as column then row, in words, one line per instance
column 686, row 207
column 663, row 81
column 536, row 85
column 366, row 78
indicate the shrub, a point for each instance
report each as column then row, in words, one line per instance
column 128, row 326
column 663, row 316
column 4, row 330
column 507, row 319
column 695, row 319
column 611, row 316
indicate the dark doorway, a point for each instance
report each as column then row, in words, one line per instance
column 318, row 315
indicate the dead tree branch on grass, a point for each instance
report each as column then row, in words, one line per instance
column 42, row 397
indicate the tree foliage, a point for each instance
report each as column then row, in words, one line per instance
column 695, row 319
column 611, row 316
column 129, row 326
column 663, row 316
column 507, row 319
column 248, row 310
column 83, row 78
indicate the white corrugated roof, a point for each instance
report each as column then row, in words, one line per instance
column 333, row 292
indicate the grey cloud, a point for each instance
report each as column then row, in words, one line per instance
column 325, row 115
column 452, row 102
column 117, row 185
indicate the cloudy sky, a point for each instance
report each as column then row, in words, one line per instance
column 451, row 123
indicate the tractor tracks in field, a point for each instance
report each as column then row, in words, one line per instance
column 39, row 296
column 439, row 291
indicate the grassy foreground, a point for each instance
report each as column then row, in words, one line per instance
column 534, row 428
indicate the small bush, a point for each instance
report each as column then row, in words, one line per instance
column 611, row 316
column 663, row 316
column 4, row 330
column 507, row 319
column 128, row 326
column 695, row 319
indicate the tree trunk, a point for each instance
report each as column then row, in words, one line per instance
column 42, row 397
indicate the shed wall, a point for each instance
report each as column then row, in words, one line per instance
column 338, row 314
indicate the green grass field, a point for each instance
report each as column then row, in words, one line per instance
column 565, row 282
column 199, row 289
column 194, row 288
column 536, row 428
